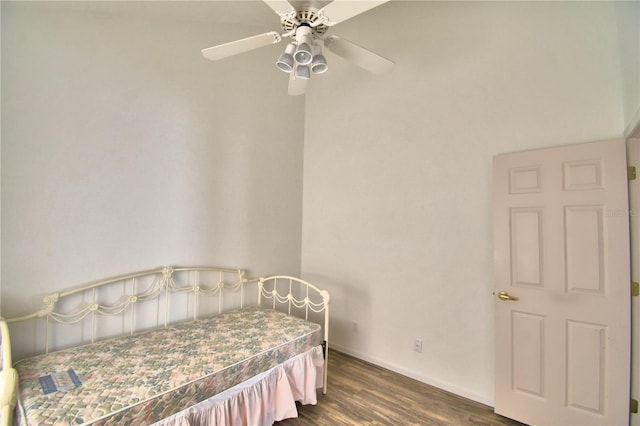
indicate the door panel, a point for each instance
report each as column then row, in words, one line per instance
column 584, row 243
column 587, row 345
column 526, row 246
column 528, row 355
column 561, row 251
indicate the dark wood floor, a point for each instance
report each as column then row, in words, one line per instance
column 360, row 393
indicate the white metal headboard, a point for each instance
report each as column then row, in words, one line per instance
column 160, row 289
column 158, row 284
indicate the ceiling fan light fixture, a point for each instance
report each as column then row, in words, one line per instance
column 305, row 23
column 285, row 61
column 318, row 62
column 303, row 72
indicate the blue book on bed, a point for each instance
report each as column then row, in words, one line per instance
column 60, row 381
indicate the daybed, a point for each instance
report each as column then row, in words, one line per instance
column 172, row 346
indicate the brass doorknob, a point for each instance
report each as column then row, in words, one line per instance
column 503, row 295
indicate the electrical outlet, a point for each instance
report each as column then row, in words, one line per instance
column 354, row 326
column 417, row 345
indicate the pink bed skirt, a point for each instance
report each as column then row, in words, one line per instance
column 261, row 400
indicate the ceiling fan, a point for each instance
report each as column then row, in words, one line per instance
column 306, row 22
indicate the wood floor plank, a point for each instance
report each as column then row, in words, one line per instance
column 360, row 393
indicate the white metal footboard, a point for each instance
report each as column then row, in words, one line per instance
column 292, row 294
column 8, row 378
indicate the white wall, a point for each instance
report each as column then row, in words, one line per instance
column 397, row 174
column 628, row 20
column 123, row 149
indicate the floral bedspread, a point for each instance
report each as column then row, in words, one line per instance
column 146, row 377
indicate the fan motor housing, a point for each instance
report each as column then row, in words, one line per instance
column 308, row 16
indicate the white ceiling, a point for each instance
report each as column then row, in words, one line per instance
column 245, row 12
column 253, row 13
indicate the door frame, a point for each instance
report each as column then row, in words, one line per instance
column 633, row 159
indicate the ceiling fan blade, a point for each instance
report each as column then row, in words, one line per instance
column 358, row 55
column 297, row 86
column 341, row 10
column 279, row 6
column 240, row 46
column 285, row 6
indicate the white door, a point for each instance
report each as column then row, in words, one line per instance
column 561, row 257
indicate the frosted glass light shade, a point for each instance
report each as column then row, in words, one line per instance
column 285, row 61
column 302, row 71
column 303, row 54
column 319, row 64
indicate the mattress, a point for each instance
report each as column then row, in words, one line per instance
column 151, row 375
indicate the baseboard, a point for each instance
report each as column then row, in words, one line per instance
column 465, row 393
